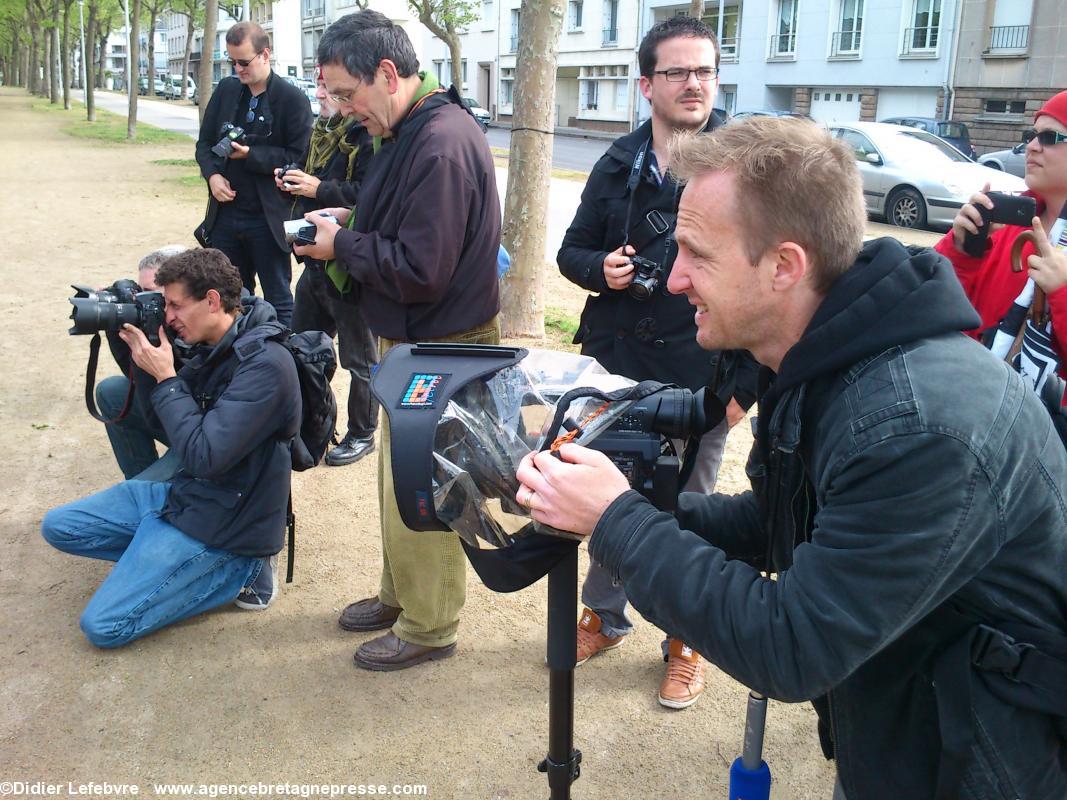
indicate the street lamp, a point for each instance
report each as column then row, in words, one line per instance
column 81, row 25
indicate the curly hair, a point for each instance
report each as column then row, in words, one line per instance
column 202, row 269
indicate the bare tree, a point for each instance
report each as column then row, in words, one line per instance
column 530, row 167
column 207, row 54
column 154, row 9
column 447, row 19
column 194, row 17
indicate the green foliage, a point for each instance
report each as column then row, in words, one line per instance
column 560, row 328
column 176, row 162
column 444, row 17
column 109, row 128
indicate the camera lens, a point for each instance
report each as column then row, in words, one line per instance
column 91, row 316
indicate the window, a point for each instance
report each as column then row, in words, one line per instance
column 488, row 15
column 925, row 25
column 1005, row 106
column 514, row 31
column 611, row 22
column 784, row 40
column 728, row 33
column 622, row 95
column 850, row 28
column 507, row 85
column 574, row 15
column 587, row 95
column 860, row 144
column 1011, row 26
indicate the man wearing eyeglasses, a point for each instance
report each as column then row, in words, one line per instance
column 628, row 209
column 245, row 209
column 991, row 285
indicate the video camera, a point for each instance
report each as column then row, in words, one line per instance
column 121, row 303
column 230, row 134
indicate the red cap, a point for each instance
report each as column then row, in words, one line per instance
column 1055, row 107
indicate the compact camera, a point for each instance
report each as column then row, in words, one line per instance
column 300, row 231
column 109, row 309
column 1008, row 209
column 647, row 275
column 285, row 169
column 230, row 134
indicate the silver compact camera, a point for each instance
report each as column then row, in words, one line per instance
column 300, row 231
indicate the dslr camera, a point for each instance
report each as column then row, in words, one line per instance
column 300, row 231
column 1008, row 209
column 285, row 169
column 647, row 275
column 230, row 134
column 109, row 309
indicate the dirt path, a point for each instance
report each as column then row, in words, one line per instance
column 272, row 698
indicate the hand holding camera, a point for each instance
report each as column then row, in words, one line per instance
column 231, row 134
column 986, row 212
column 314, row 240
column 618, row 270
column 292, row 179
column 157, row 361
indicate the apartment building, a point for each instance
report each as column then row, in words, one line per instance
column 1012, row 57
column 316, row 15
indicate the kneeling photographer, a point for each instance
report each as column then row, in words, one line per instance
column 907, row 489
column 209, row 534
column 132, row 435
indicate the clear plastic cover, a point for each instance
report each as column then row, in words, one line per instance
column 489, row 425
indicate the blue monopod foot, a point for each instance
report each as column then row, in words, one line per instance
column 750, row 784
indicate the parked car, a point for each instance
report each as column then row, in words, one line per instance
column 172, row 87
column 768, row 112
column 1011, row 161
column 196, row 92
column 142, row 86
column 308, row 88
column 479, row 113
column 955, row 133
column 914, row 178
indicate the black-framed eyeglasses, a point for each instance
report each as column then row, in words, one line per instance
column 253, row 104
column 1044, row 138
column 244, row 62
column 679, row 75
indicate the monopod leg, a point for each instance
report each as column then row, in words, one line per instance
column 750, row 777
column 562, row 763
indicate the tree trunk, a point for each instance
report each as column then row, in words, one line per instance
column 53, row 59
column 153, row 13
column 90, row 67
column 46, row 73
column 530, row 168
column 207, row 54
column 34, row 69
column 455, row 53
column 101, row 66
column 189, row 30
column 696, row 8
column 65, row 50
column 135, row 60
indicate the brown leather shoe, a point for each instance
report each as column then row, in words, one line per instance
column 370, row 614
column 388, row 653
column 590, row 640
column 684, row 682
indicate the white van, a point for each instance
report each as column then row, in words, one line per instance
column 172, row 87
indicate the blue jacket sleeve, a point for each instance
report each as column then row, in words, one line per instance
column 250, row 410
column 890, row 543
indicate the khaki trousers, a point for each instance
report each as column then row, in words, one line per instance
column 424, row 573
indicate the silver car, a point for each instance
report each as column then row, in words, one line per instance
column 913, row 178
column 1011, row 161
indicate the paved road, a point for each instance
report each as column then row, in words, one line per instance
column 568, row 152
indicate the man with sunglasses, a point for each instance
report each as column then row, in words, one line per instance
column 628, row 209
column 991, row 285
column 245, row 209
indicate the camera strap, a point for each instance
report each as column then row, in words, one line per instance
column 90, row 385
column 654, row 223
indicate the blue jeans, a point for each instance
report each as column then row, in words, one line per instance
column 245, row 237
column 133, row 439
column 161, row 575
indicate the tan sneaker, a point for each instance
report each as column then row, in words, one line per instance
column 684, row 682
column 590, row 640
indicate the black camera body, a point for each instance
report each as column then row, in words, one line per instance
column 285, row 169
column 230, row 134
column 647, row 275
column 1008, row 209
column 121, row 303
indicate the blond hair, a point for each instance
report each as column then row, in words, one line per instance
column 795, row 183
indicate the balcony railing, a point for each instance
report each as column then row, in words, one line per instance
column 783, row 46
column 1008, row 37
column 611, row 36
column 919, row 40
column 513, row 46
column 846, row 44
column 315, row 9
column 728, row 46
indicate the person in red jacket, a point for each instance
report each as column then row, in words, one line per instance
column 991, row 285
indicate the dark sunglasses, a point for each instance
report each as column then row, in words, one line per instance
column 253, row 104
column 1044, row 138
column 244, row 62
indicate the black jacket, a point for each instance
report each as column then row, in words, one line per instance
column 230, row 414
column 426, row 235
column 653, row 339
column 275, row 142
column 898, row 470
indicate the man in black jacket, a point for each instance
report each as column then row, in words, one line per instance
column 628, row 209
column 245, row 209
column 209, row 534
column 333, row 169
column 419, row 256
column 907, row 488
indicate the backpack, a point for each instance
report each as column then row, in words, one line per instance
column 312, row 352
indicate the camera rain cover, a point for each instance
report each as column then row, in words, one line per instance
column 486, row 424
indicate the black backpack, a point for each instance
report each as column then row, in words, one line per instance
column 316, row 363
column 312, row 352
